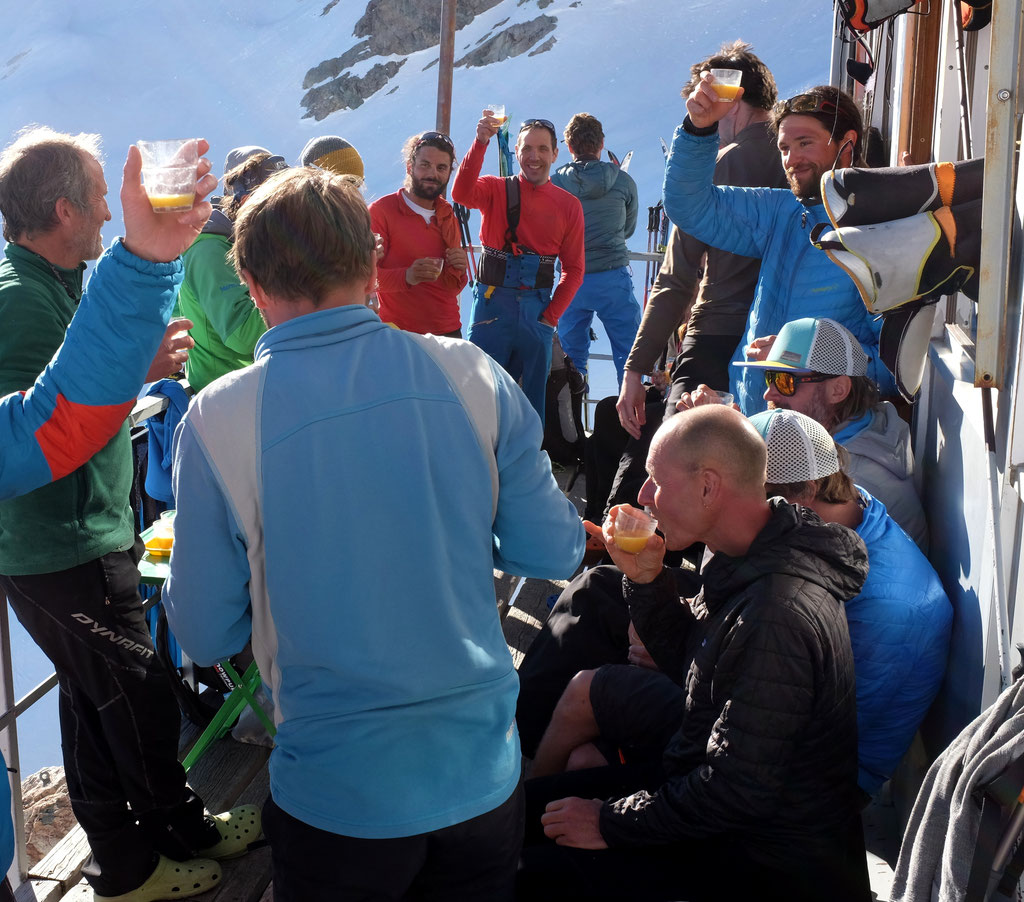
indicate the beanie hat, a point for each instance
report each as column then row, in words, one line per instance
column 252, row 180
column 815, row 345
column 239, row 155
column 333, row 153
column 799, row 448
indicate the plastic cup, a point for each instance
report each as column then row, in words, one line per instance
column 161, row 540
column 633, row 528
column 726, row 84
column 169, row 173
column 723, row 397
column 498, row 112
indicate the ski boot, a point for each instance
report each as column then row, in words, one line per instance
column 855, row 197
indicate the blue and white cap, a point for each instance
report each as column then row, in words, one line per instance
column 815, row 345
column 799, row 448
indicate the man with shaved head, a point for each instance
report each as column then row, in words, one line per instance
column 755, row 793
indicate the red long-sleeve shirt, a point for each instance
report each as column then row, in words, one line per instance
column 427, row 306
column 550, row 221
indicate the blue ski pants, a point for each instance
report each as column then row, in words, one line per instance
column 506, row 324
column 609, row 294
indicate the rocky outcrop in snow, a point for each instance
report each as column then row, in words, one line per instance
column 391, row 28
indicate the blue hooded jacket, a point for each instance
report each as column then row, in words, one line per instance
column 900, row 627
column 609, row 199
column 796, row 280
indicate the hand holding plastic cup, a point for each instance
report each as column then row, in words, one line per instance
column 726, row 84
column 169, row 173
column 633, row 528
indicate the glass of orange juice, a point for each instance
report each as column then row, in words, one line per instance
column 726, row 84
column 632, row 527
column 169, row 173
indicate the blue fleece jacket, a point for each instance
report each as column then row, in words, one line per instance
column 796, row 279
column 900, row 627
column 346, row 499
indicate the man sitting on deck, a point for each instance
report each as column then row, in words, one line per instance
column 756, row 794
column 397, row 764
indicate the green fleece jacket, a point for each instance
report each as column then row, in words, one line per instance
column 226, row 324
column 86, row 514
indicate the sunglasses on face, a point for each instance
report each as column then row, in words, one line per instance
column 433, row 139
column 786, row 383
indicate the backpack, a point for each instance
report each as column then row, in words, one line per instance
column 563, row 410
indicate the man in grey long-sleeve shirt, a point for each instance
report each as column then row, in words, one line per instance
column 714, row 302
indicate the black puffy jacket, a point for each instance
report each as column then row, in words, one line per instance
column 767, row 750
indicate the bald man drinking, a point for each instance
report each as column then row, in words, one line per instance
column 755, row 793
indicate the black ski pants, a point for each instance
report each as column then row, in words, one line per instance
column 118, row 719
column 474, row 861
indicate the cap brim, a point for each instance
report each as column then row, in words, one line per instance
column 772, row 365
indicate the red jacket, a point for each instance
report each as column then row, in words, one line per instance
column 550, row 221
column 428, row 306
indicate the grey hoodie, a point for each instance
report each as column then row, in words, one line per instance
column 609, row 200
column 882, row 462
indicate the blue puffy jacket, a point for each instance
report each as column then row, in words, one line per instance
column 899, row 628
column 796, row 280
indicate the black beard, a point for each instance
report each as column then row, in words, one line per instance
column 426, row 192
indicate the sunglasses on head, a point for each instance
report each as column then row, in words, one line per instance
column 433, row 139
column 544, row 123
column 786, row 382
column 807, row 103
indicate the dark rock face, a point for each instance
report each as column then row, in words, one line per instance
column 405, row 26
column 391, row 28
column 347, row 92
column 513, row 41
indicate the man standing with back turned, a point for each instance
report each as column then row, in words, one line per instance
column 397, row 755
column 514, row 312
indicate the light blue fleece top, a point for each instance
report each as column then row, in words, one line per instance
column 346, row 498
column 900, row 627
column 796, row 279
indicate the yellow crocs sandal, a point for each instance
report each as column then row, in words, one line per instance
column 237, row 828
column 172, row 880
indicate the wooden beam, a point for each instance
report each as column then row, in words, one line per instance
column 446, row 66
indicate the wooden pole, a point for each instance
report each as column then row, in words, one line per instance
column 445, row 66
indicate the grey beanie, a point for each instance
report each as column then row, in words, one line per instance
column 239, row 155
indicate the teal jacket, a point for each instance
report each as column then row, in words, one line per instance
column 85, row 514
column 609, row 201
column 225, row 323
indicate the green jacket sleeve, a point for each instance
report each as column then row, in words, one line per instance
column 224, row 300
